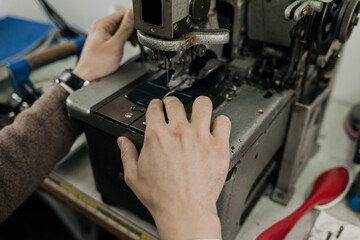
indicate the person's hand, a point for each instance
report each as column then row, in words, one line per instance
column 104, row 45
column 181, row 169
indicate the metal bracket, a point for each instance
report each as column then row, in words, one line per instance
column 218, row 36
column 301, row 8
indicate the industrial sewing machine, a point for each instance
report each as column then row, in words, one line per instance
column 267, row 64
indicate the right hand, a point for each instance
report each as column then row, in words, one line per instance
column 181, row 169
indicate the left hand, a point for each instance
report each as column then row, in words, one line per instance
column 104, row 45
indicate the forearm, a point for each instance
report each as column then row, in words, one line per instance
column 31, row 146
column 194, row 220
column 189, row 226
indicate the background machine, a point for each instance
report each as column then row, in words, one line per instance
column 267, row 64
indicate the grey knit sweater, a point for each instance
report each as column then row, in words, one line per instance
column 31, row 146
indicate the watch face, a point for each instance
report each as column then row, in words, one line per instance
column 66, row 76
column 70, row 79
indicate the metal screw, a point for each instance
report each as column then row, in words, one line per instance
column 188, row 20
column 176, row 27
column 228, row 97
column 128, row 115
column 144, row 123
column 200, row 50
column 137, row 109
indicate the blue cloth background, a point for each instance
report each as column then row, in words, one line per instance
column 19, row 36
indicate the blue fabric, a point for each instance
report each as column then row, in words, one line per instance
column 80, row 42
column 19, row 36
column 20, row 74
column 354, row 203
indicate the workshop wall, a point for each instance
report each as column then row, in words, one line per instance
column 80, row 13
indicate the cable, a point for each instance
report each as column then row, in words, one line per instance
column 65, row 29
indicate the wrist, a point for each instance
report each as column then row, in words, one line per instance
column 192, row 224
column 82, row 73
column 69, row 81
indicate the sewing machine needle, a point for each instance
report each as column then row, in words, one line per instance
column 167, row 66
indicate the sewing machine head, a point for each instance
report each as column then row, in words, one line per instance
column 270, row 37
column 176, row 32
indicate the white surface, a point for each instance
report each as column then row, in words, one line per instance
column 3, row 9
column 347, row 85
column 328, row 227
column 80, row 13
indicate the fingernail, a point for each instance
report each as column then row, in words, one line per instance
column 129, row 15
column 155, row 100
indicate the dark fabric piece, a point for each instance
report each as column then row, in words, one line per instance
column 144, row 93
column 31, row 146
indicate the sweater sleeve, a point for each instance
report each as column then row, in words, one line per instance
column 31, row 147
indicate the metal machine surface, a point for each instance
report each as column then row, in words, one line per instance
column 269, row 73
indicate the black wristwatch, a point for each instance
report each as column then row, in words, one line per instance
column 69, row 81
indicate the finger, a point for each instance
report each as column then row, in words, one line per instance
column 111, row 22
column 221, row 128
column 126, row 28
column 133, row 39
column 129, row 157
column 155, row 113
column 175, row 110
column 201, row 114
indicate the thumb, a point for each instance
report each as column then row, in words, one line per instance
column 129, row 157
column 126, row 28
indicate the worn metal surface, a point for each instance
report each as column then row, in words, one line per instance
column 218, row 36
column 79, row 108
column 238, row 24
column 255, row 138
column 301, row 144
column 335, row 148
column 301, row 8
column 266, row 23
column 173, row 12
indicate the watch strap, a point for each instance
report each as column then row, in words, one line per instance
column 69, row 81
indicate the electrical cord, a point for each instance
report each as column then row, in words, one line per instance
column 65, row 29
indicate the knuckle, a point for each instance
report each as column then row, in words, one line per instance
column 128, row 179
column 97, row 24
column 154, row 130
column 182, row 129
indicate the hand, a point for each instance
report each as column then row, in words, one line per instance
column 181, row 169
column 104, row 45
